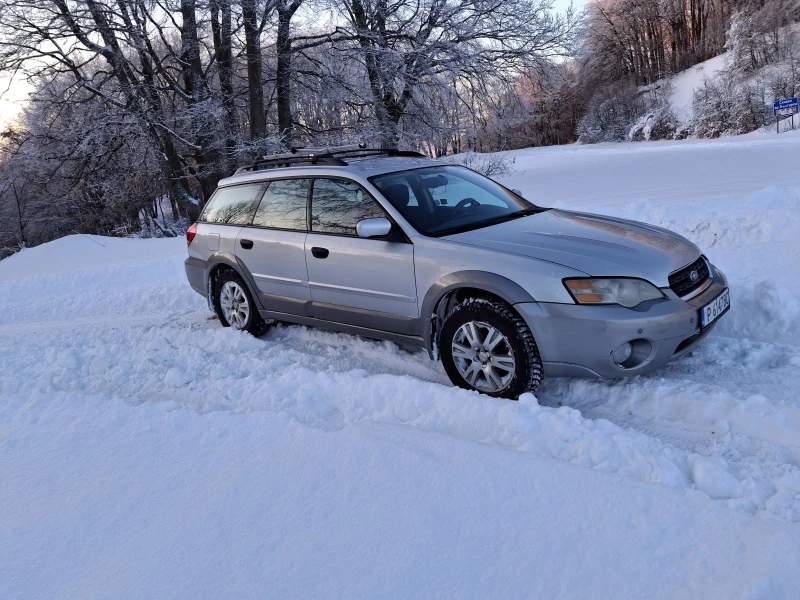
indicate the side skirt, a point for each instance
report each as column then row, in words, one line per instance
column 410, row 341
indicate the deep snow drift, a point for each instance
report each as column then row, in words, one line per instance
column 147, row 452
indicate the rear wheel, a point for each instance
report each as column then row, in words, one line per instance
column 234, row 305
column 486, row 346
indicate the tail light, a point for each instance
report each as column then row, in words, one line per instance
column 190, row 233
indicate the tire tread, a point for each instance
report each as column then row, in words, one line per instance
column 535, row 370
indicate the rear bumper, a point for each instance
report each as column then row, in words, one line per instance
column 196, row 274
column 578, row 340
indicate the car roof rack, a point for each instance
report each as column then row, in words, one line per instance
column 329, row 156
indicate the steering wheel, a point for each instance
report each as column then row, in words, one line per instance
column 465, row 204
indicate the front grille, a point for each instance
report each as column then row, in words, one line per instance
column 681, row 281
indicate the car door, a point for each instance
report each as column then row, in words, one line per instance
column 362, row 282
column 272, row 247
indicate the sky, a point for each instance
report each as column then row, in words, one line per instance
column 12, row 95
column 561, row 5
column 10, row 100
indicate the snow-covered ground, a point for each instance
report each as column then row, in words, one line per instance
column 147, row 452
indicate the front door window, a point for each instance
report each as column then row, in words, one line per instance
column 338, row 205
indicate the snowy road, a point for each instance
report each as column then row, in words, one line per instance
column 147, row 452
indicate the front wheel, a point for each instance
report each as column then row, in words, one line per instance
column 234, row 305
column 486, row 346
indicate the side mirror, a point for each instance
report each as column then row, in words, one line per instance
column 370, row 228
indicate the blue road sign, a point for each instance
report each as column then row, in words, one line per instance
column 785, row 108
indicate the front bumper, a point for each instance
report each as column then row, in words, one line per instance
column 577, row 340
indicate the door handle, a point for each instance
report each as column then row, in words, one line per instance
column 246, row 244
column 319, row 252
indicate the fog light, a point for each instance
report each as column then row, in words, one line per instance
column 623, row 353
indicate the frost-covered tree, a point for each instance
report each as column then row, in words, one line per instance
column 71, row 167
column 406, row 44
column 725, row 105
column 611, row 114
column 137, row 101
column 741, row 43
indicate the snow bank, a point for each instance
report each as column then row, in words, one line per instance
column 81, row 252
column 73, row 278
column 148, row 363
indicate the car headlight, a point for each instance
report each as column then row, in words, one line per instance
column 626, row 292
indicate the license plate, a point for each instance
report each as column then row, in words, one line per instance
column 711, row 311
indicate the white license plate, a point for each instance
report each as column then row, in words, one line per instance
column 715, row 308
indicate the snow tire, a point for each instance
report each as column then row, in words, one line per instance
column 528, row 371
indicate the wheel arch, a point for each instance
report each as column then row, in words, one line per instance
column 222, row 261
column 456, row 286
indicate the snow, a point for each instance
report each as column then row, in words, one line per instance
column 157, row 501
column 680, row 89
column 684, row 84
column 145, row 451
column 77, row 252
column 711, row 476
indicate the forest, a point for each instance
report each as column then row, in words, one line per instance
column 140, row 107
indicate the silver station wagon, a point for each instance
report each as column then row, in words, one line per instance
column 397, row 246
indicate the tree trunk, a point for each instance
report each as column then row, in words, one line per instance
column 284, row 71
column 221, row 31
column 377, row 85
column 252, row 34
column 190, row 50
column 20, row 222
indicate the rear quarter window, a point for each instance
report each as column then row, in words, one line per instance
column 284, row 205
column 233, row 205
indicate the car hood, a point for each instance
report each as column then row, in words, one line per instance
column 597, row 245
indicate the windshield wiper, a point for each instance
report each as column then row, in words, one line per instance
column 488, row 222
column 522, row 213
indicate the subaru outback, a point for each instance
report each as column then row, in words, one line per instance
column 397, row 246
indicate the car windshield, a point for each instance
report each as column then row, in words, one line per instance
column 449, row 199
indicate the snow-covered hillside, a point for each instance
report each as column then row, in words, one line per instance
column 147, row 452
column 679, row 89
column 684, row 84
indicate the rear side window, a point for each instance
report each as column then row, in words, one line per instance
column 337, row 206
column 284, row 205
column 232, row 205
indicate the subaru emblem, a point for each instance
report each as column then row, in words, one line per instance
column 694, row 276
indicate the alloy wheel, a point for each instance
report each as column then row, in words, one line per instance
column 234, row 304
column 483, row 356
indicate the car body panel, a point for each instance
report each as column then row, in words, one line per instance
column 364, row 274
column 598, row 246
column 436, row 258
column 277, row 263
column 213, row 239
column 665, row 324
